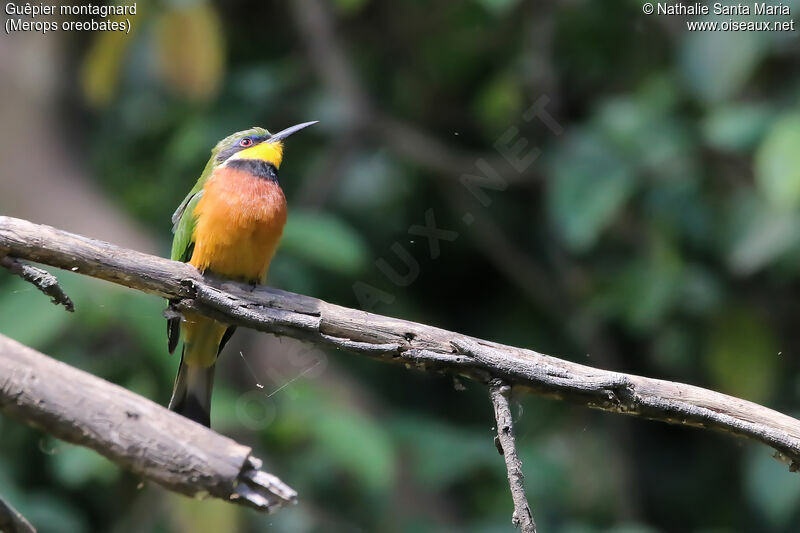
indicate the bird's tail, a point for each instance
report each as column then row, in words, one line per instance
column 202, row 341
column 191, row 396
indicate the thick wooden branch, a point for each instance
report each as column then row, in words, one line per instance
column 132, row 431
column 400, row 341
column 499, row 393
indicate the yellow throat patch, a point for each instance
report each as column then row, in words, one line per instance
column 265, row 151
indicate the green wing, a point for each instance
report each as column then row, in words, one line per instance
column 182, row 248
column 183, row 219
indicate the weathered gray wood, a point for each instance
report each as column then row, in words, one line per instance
column 132, row 431
column 400, row 341
column 499, row 393
column 41, row 279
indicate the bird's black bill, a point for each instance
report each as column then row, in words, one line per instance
column 288, row 131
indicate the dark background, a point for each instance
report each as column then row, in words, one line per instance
column 656, row 233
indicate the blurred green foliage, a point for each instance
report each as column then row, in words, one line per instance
column 664, row 223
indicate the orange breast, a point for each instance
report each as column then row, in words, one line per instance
column 240, row 218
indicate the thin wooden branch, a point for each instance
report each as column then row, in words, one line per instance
column 499, row 393
column 11, row 521
column 132, row 431
column 400, row 341
column 41, row 279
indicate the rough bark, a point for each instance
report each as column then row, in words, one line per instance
column 41, row 279
column 401, row 341
column 499, row 393
column 132, row 431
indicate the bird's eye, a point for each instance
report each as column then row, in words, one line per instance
column 247, row 141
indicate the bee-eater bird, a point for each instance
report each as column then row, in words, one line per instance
column 229, row 224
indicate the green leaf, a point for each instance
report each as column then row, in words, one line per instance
column 498, row 6
column 257, row 83
column 499, row 102
column 142, row 314
column 344, row 439
column 778, row 164
column 443, row 454
column 191, row 50
column 373, row 182
column 621, row 528
column 743, row 357
column 772, row 488
column 102, row 66
column 736, row 127
column 9, row 490
column 52, row 513
column 672, row 350
column 348, row 7
column 767, row 239
column 27, row 315
column 293, row 274
column 358, row 445
column 325, row 240
column 643, row 133
column 650, row 287
column 717, row 64
column 758, row 235
column 589, row 184
column 76, row 465
column 189, row 514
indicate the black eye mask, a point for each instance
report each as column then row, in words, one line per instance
column 227, row 152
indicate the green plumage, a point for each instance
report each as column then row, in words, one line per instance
column 191, row 395
column 183, row 219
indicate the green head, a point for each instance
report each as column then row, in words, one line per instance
column 255, row 143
